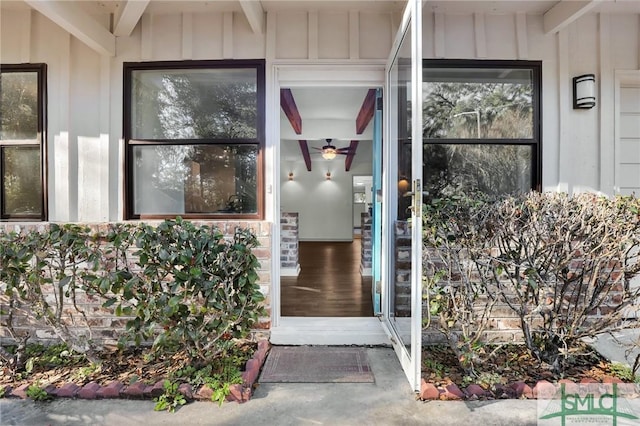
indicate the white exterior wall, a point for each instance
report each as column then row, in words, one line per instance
column 578, row 145
column 85, row 88
column 85, row 171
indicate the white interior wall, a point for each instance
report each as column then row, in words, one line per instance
column 325, row 207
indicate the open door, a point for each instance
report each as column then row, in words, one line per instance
column 376, row 222
column 402, row 267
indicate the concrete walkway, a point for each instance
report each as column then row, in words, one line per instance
column 388, row 401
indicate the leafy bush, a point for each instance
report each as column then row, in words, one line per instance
column 562, row 264
column 182, row 286
column 37, row 265
column 189, row 288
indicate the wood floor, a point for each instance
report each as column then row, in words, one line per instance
column 329, row 283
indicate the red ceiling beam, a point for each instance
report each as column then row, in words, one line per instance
column 366, row 111
column 290, row 109
column 352, row 153
column 305, row 153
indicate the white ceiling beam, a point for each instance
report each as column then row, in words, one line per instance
column 255, row 14
column 77, row 23
column 565, row 12
column 129, row 17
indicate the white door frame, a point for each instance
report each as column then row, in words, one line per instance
column 622, row 77
column 410, row 358
column 357, row 73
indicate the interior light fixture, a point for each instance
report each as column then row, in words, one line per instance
column 328, row 176
column 329, row 153
column 584, row 91
column 403, row 185
column 290, row 175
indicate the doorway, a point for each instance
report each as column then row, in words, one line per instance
column 326, row 139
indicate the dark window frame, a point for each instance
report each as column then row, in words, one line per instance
column 536, row 79
column 130, row 143
column 40, row 141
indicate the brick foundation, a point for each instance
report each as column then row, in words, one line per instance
column 102, row 325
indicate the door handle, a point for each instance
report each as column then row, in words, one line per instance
column 416, row 205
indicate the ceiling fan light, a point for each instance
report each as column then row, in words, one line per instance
column 329, row 155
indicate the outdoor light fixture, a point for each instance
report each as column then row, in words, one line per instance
column 290, row 175
column 329, row 154
column 584, row 91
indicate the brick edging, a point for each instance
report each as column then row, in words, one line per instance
column 515, row 390
column 139, row 390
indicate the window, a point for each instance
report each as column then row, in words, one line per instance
column 481, row 126
column 22, row 140
column 194, row 134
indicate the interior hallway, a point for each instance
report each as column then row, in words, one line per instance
column 329, row 283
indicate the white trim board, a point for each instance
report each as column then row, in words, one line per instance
column 330, row 331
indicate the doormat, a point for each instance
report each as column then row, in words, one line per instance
column 316, row 364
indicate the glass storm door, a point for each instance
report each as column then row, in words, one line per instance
column 402, row 269
column 376, row 225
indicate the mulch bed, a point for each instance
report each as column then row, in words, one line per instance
column 130, row 375
column 510, row 372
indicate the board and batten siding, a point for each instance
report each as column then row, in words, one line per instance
column 85, row 88
column 84, row 141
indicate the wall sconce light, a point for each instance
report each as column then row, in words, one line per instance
column 328, row 176
column 290, row 175
column 584, row 91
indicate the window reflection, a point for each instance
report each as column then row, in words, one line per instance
column 21, row 186
column 477, row 103
column 18, row 105
column 177, row 179
column 194, row 104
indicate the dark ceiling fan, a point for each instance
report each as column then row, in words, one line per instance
column 329, row 151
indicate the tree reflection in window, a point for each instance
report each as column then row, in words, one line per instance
column 195, row 137
column 195, row 104
column 479, row 128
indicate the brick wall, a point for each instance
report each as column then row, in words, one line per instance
column 402, row 269
column 289, row 245
column 366, row 243
column 101, row 324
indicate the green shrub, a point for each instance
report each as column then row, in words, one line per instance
column 182, row 286
column 188, row 287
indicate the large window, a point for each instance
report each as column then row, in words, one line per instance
column 194, row 135
column 481, row 126
column 22, row 136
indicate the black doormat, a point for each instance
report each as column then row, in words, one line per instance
column 316, row 364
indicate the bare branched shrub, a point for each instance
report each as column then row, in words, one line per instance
column 562, row 264
column 459, row 303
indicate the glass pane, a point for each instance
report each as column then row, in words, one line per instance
column 400, row 132
column 19, row 105
column 194, row 104
column 491, row 169
column 21, row 181
column 465, row 103
column 178, row 179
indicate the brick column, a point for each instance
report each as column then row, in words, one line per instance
column 366, row 244
column 289, row 260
